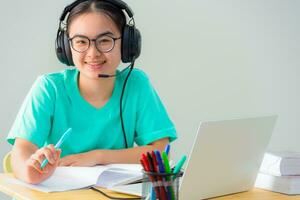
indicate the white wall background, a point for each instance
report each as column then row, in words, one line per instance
column 207, row 59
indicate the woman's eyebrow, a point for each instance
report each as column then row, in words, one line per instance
column 99, row 35
column 76, row 35
column 104, row 33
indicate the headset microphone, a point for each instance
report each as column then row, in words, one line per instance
column 113, row 75
column 106, row 75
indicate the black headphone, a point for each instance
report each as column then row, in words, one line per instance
column 131, row 37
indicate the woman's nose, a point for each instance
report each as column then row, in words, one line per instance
column 92, row 50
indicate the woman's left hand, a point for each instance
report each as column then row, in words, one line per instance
column 86, row 159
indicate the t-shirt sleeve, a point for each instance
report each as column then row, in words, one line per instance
column 33, row 121
column 153, row 122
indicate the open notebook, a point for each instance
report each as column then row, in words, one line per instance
column 106, row 176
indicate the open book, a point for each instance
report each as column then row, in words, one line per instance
column 106, row 176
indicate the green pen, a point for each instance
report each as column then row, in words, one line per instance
column 168, row 170
column 166, row 162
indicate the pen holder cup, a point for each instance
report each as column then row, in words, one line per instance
column 160, row 186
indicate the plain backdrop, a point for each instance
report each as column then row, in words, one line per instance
column 208, row 60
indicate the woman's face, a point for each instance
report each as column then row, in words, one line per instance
column 93, row 62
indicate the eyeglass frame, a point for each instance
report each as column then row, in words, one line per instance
column 94, row 40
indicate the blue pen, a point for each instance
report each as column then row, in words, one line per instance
column 159, row 161
column 161, row 168
column 167, row 149
column 58, row 144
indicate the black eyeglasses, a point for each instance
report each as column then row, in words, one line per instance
column 103, row 43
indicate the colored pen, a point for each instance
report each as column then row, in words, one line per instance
column 168, row 170
column 152, row 162
column 161, row 170
column 58, row 144
column 153, row 195
column 179, row 165
column 159, row 162
column 167, row 149
column 156, row 168
column 145, row 164
column 166, row 162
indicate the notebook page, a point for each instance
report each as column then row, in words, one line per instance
column 67, row 178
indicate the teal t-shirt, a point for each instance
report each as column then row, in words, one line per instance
column 55, row 104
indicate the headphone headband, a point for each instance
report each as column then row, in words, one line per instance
column 120, row 4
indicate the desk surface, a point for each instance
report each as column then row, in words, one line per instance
column 23, row 193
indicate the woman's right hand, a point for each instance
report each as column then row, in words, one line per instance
column 33, row 164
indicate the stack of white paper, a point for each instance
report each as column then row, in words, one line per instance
column 280, row 172
column 282, row 184
column 281, row 163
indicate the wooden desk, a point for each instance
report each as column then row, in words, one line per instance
column 24, row 193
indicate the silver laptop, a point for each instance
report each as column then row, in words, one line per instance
column 225, row 157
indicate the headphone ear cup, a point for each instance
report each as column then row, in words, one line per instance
column 63, row 50
column 131, row 44
column 137, row 41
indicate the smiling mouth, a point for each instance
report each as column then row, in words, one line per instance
column 95, row 65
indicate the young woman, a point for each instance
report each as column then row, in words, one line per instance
column 87, row 99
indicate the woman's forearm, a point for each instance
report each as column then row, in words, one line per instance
column 27, row 158
column 21, row 152
column 130, row 155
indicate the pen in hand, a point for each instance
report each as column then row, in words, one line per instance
column 58, row 144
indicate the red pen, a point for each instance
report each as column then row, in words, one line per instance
column 146, row 167
column 156, row 178
column 145, row 161
column 162, row 189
